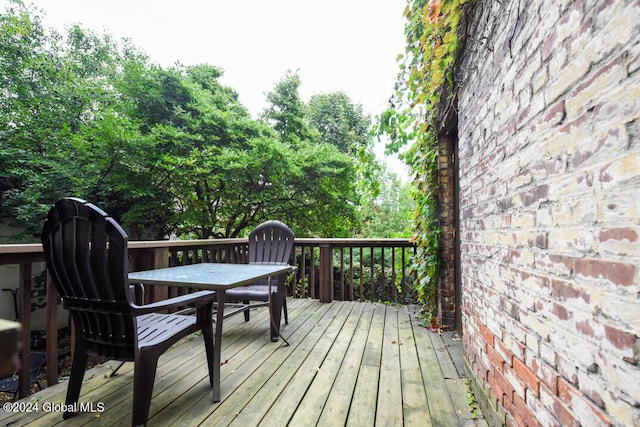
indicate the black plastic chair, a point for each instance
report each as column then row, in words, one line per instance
column 269, row 243
column 86, row 256
column 11, row 384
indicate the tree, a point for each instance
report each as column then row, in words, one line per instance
column 390, row 213
column 165, row 151
column 286, row 113
column 242, row 173
column 65, row 126
column 339, row 121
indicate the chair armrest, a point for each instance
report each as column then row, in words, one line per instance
column 198, row 298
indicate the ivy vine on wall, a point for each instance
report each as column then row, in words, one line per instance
column 410, row 122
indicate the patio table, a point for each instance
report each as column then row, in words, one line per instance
column 217, row 277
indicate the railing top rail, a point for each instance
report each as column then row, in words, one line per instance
column 355, row 242
column 139, row 244
column 36, row 248
column 29, row 248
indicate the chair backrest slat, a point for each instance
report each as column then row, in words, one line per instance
column 86, row 255
column 270, row 243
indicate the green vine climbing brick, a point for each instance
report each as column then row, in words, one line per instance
column 431, row 32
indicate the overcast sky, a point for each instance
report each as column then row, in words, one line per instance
column 337, row 45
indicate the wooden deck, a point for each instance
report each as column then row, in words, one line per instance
column 348, row 363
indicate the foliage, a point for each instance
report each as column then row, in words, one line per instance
column 472, row 403
column 432, row 44
column 62, row 125
column 286, row 111
column 388, row 214
column 166, row 151
column 339, row 122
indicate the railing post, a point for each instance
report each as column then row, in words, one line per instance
column 24, row 381
column 160, row 259
column 52, row 332
column 326, row 273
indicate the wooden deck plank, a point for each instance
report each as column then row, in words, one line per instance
column 336, row 409
column 283, row 364
column 444, row 357
column 242, row 375
column 389, row 409
column 458, row 391
column 291, row 380
column 363, row 406
column 349, row 363
column 373, row 349
column 441, row 407
column 452, row 341
column 312, row 402
column 414, row 396
column 180, row 372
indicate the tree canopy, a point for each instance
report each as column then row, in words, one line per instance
column 168, row 151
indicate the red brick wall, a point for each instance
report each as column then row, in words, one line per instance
column 549, row 149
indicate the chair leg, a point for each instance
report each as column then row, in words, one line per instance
column 246, row 312
column 276, row 315
column 205, row 321
column 78, row 367
column 284, row 309
column 144, row 374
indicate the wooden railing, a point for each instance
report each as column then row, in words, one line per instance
column 328, row 269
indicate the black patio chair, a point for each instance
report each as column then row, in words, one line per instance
column 269, row 243
column 10, row 384
column 86, row 255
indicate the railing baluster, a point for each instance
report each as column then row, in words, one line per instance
column 361, row 276
column 383, row 281
column 312, row 273
column 52, row 332
column 303, row 273
column 24, row 382
column 404, row 274
column 342, row 293
column 394, row 291
column 373, row 276
column 350, row 273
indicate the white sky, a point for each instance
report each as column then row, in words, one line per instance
column 347, row 45
column 336, row 45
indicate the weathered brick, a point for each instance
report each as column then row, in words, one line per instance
column 527, row 376
column 549, row 149
column 541, row 413
column 515, row 382
column 622, row 340
column 504, row 352
column 501, row 387
column 546, row 374
column 487, row 335
column 564, row 291
column 619, row 171
column 618, row 234
column 555, row 263
column 587, row 92
column 529, row 418
column 514, row 418
column 560, row 311
column 585, row 411
column 553, row 403
column 515, row 346
column 618, row 273
column 537, row 195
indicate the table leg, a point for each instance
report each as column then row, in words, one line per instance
column 217, row 345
